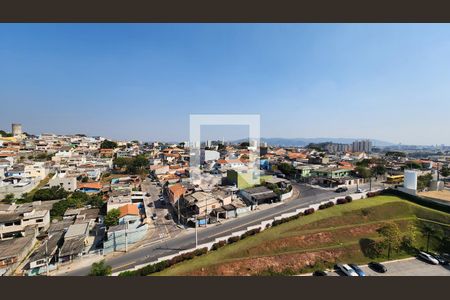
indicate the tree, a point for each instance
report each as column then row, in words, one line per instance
column 391, row 236
column 9, row 198
column 409, row 239
column 379, row 170
column 95, row 201
column 245, row 156
column 121, row 162
column 286, row 168
column 84, row 179
column 430, row 230
column 424, row 181
column 100, row 269
column 363, row 172
column 445, row 171
column 107, row 144
column 244, row 145
column 112, row 217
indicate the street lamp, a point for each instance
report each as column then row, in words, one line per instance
column 194, row 219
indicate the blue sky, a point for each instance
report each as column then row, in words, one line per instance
column 141, row 81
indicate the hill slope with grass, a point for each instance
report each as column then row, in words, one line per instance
column 342, row 233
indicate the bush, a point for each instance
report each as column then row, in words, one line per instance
column 349, row 199
column 326, row 205
column 250, row 233
column 233, row 239
column 309, row 211
column 218, row 245
column 341, row 201
column 373, row 194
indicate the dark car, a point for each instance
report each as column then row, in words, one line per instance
column 168, row 217
column 377, row 267
column 341, row 190
column 320, row 273
column 357, row 270
column 441, row 259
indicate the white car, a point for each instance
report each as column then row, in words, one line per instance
column 428, row 258
column 347, row 270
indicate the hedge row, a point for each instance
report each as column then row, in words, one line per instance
column 326, row 205
column 158, row 267
column 218, row 245
column 373, row 194
column 250, row 233
column 284, row 220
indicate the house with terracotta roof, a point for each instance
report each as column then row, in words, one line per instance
column 129, row 213
column 175, row 192
column 89, row 187
column 130, row 229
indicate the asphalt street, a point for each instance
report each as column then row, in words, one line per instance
column 308, row 196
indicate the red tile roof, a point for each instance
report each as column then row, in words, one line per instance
column 129, row 209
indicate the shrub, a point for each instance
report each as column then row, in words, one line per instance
column 201, row 251
column 233, row 239
column 218, row 245
column 341, row 201
column 349, row 199
column 326, row 205
column 268, row 225
column 308, row 211
column 250, row 233
column 276, row 223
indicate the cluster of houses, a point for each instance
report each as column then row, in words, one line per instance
column 233, row 182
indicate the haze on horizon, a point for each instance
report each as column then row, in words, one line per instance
column 387, row 82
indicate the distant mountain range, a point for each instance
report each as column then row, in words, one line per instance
column 300, row 142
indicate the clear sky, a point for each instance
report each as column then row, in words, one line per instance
column 141, row 81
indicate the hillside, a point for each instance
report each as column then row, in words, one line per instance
column 341, row 233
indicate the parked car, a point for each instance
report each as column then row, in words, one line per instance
column 168, row 216
column 320, row 273
column 150, row 204
column 154, row 216
column 357, row 270
column 377, row 267
column 359, row 190
column 440, row 258
column 428, row 258
column 341, row 190
column 344, row 268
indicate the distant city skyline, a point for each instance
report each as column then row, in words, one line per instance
column 385, row 82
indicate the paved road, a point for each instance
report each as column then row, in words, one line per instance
column 406, row 267
column 308, row 196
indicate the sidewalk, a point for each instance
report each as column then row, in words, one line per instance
column 76, row 264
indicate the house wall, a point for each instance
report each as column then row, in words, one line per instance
column 116, row 240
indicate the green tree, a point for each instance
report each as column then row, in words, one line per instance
column 121, row 162
column 84, row 179
column 424, row 181
column 100, row 269
column 391, row 237
column 112, row 217
column 379, row 170
column 107, row 144
column 431, row 230
column 363, row 172
column 95, row 201
column 9, row 198
column 409, row 238
column 445, row 171
column 286, row 169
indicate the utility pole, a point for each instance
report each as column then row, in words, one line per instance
column 46, row 256
column 196, row 234
column 126, row 236
column 178, row 210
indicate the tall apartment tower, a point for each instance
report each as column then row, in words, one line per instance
column 16, row 130
column 362, row 146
